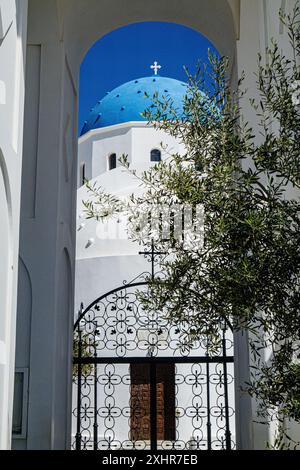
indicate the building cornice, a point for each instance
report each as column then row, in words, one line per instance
column 108, row 129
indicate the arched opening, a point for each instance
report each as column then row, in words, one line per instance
column 50, row 143
column 155, row 155
column 82, row 173
column 112, row 161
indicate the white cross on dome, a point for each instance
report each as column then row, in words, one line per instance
column 155, row 67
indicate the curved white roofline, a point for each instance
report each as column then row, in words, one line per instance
column 103, row 130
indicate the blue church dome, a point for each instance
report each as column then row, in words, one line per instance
column 126, row 102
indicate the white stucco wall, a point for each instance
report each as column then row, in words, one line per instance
column 133, row 139
column 60, row 32
column 13, row 15
column 259, row 23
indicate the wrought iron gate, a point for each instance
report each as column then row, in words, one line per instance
column 137, row 387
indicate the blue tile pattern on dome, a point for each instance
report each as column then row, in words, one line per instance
column 126, row 102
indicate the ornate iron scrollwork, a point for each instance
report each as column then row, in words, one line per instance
column 111, row 335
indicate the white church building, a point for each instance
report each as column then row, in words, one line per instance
column 191, row 407
column 42, row 166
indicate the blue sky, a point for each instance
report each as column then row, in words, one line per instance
column 128, row 52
